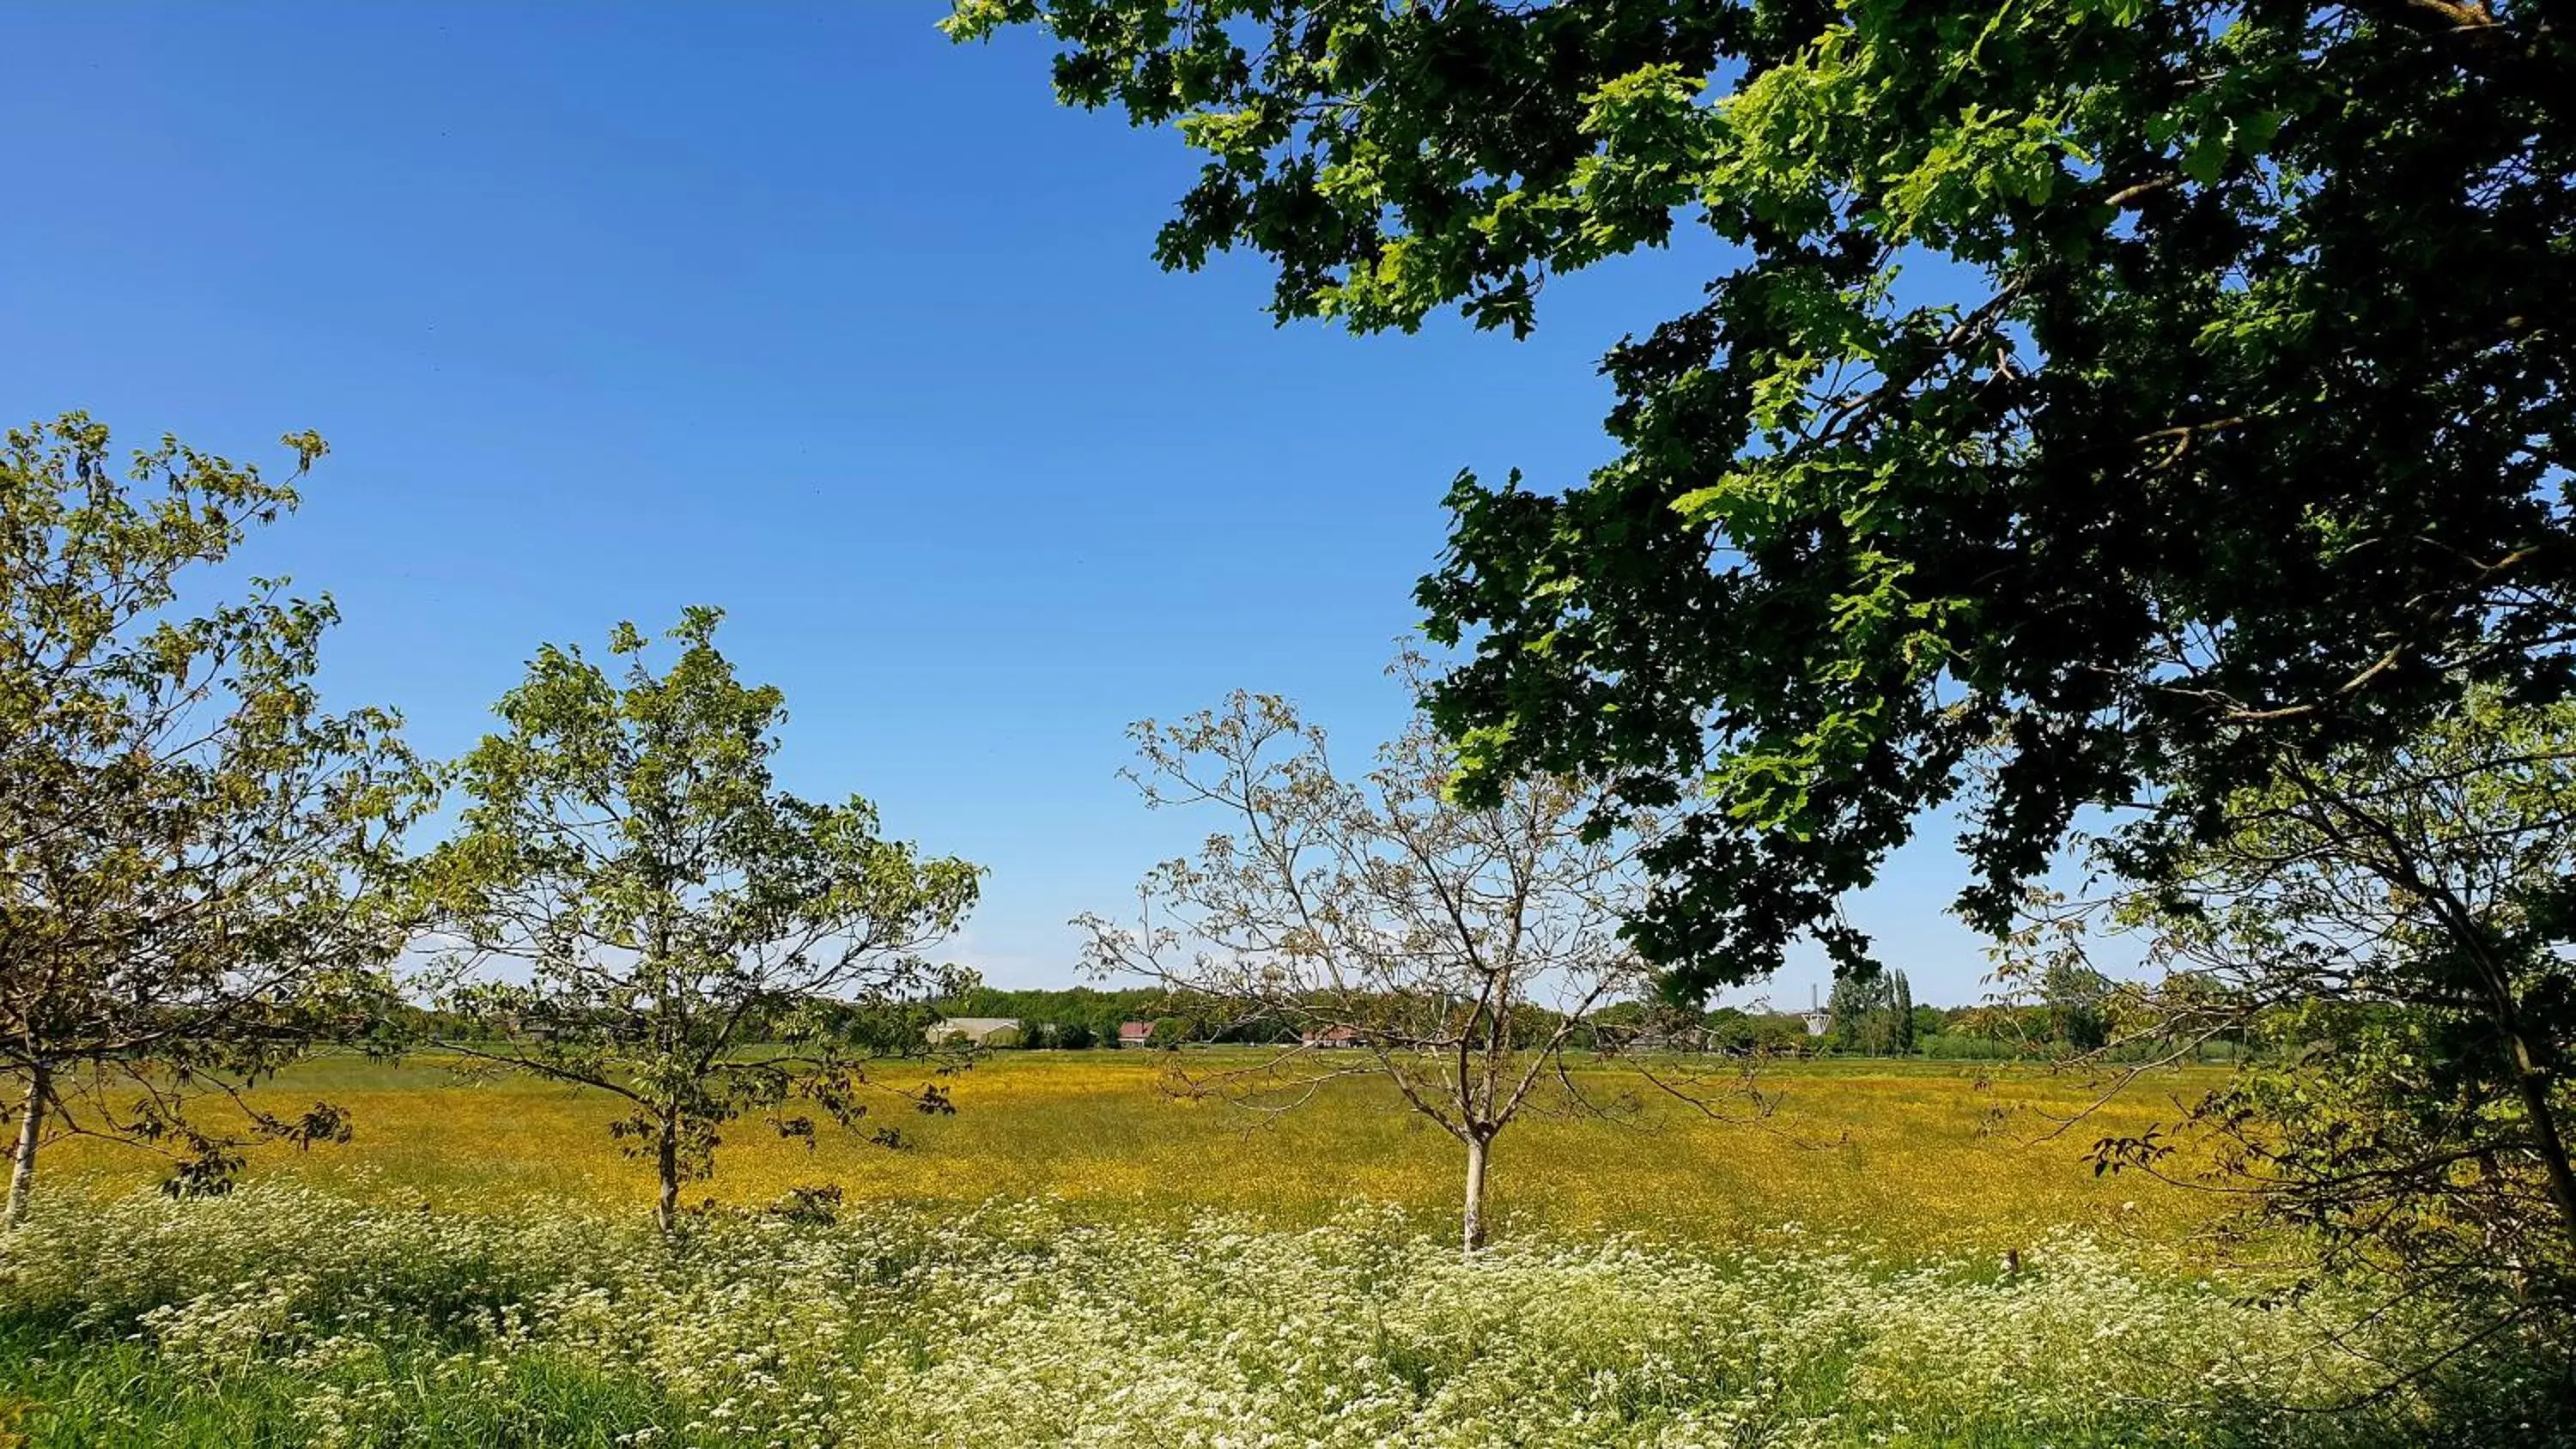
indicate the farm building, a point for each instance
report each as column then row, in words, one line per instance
column 1135, row 1033
column 976, row 1030
column 1329, row 1036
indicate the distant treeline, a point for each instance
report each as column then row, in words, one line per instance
column 1864, row 1021
column 1868, row 1019
column 1082, row 1016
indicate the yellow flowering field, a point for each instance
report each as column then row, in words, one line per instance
column 1079, row 1256
column 1949, row 1156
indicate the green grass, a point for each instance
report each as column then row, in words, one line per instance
column 125, row 1395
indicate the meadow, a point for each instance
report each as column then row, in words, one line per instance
column 1079, row 1256
column 1944, row 1156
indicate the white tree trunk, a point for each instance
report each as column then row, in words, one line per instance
column 22, row 1161
column 1471, row 1237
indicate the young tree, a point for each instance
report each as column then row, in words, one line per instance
column 2128, row 392
column 187, row 838
column 678, row 931
column 2394, row 925
column 1400, row 935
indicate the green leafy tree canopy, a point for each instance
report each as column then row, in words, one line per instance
column 672, row 928
column 2097, row 399
column 190, row 844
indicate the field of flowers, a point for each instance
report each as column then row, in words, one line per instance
column 1953, row 1156
column 1078, row 1257
column 286, row 1316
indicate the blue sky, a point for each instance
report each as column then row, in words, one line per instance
column 801, row 311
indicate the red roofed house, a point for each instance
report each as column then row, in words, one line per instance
column 1134, row 1033
column 1329, row 1036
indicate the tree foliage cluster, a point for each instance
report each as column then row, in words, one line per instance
column 2392, row 928
column 1872, row 1014
column 681, row 933
column 181, row 820
column 1079, row 1017
column 203, row 872
column 1728, row 1029
column 2111, row 396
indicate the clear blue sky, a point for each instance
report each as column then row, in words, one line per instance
column 801, row 311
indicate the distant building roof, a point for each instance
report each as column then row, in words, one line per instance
column 1135, row 1030
column 973, row 1028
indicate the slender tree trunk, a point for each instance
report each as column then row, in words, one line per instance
column 22, row 1162
column 2545, row 1136
column 668, row 1213
column 666, row 1040
column 1471, row 1239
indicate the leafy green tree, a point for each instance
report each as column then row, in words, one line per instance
column 660, row 907
column 188, row 840
column 1872, row 1014
column 1613, row 1025
column 1729, row 1028
column 1781, row 1034
column 1850, row 1010
column 2121, row 394
column 2393, row 927
column 2075, row 1003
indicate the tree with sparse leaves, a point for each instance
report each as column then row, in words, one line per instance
column 668, row 926
column 2123, row 395
column 2393, row 928
column 1402, row 937
column 192, row 848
